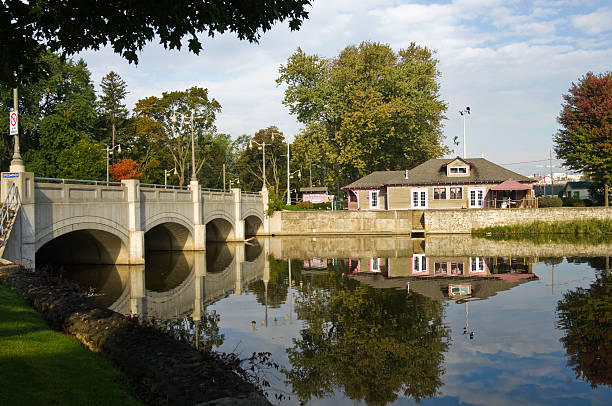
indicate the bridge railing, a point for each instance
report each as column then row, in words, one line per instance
column 158, row 186
column 84, row 181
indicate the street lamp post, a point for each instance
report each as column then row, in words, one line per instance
column 166, row 173
column 16, row 163
column 109, row 152
column 262, row 146
column 463, row 113
column 191, row 119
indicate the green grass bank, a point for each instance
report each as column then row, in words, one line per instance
column 588, row 228
column 39, row 366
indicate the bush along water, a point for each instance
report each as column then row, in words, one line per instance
column 587, row 227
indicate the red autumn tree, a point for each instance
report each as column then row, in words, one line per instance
column 125, row 169
column 585, row 140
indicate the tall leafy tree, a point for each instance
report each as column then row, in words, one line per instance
column 585, row 140
column 56, row 112
column 156, row 115
column 367, row 109
column 249, row 166
column 111, row 103
column 71, row 26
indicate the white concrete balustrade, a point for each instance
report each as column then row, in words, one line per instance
column 130, row 214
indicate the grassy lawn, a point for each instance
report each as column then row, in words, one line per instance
column 39, row 366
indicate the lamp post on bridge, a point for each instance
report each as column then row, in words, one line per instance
column 167, row 172
column 16, row 163
column 262, row 146
column 109, row 152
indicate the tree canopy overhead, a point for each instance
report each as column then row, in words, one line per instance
column 70, row 26
column 367, row 109
column 585, row 140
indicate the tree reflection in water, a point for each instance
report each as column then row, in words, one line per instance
column 586, row 317
column 374, row 344
column 202, row 334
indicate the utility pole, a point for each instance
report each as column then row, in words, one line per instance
column 311, row 174
column 552, row 182
column 463, row 113
column 16, row 162
column 288, row 176
column 224, row 177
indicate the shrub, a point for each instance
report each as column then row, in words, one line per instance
column 305, row 205
column 322, row 206
column 125, row 169
column 545, row 201
column 571, row 202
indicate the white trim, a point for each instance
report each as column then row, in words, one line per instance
column 377, row 262
column 420, row 198
column 469, row 197
column 422, row 261
column 480, row 265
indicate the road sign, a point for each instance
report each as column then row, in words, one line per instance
column 10, row 174
column 13, row 120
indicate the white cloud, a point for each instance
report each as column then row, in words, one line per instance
column 596, row 22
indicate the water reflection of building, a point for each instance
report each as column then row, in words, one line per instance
column 441, row 277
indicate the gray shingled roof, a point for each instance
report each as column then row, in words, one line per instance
column 433, row 172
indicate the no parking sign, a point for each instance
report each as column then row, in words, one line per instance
column 13, row 120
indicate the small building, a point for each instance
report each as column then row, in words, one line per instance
column 315, row 194
column 577, row 190
column 442, row 184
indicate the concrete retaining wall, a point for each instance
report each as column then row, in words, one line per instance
column 341, row 222
column 463, row 221
column 458, row 221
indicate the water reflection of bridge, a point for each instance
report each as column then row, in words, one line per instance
column 175, row 284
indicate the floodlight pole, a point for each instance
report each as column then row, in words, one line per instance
column 463, row 114
column 288, row 176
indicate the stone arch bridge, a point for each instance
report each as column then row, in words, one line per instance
column 115, row 223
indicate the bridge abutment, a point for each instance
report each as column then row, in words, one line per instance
column 20, row 244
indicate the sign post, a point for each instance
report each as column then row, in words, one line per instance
column 14, row 122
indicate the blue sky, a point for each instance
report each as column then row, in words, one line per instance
column 510, row 61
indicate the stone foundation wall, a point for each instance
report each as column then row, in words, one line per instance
column 463, row 221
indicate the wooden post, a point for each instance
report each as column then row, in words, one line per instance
column 606, row 194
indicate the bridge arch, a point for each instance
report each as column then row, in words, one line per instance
column 253, row 225
column 82, row 245
column 219, row 228
column 168, row 236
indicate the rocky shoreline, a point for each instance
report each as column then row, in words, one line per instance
column 159, row 369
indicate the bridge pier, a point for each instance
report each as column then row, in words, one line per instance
column 136, row 245
column 238, row 222
column 199, row 263
column 138, row 297
column 199, row 229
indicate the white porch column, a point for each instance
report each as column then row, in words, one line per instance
column 199, row 229
column 135, row 229
column 238, row 222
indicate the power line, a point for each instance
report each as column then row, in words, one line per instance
column 530, row 162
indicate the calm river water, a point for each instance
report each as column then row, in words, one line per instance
column 376, row 321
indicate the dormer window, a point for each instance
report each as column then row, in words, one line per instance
column 459, row 170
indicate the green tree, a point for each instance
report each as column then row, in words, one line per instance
column 71, row 26
column 111, row 105
column 585, row 315
column 83, row 160
column 155, row 114
column 249, row 165
column 373, row 344
column 585, row 140
column 55, row 113
column 367, row 109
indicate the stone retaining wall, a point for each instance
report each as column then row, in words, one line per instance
column 463, row 221
column 389, row 222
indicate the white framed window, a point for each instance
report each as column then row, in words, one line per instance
column 477, row 265
column 374, row 199
column 459, row 170
column 439, row 193
column 375, row 265
column 419, row 198
column 456, row 192
column 419, row 264
column 476, row 197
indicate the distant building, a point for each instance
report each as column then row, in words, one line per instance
column 315, row 194
column 441, row 184
column 577, row 190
